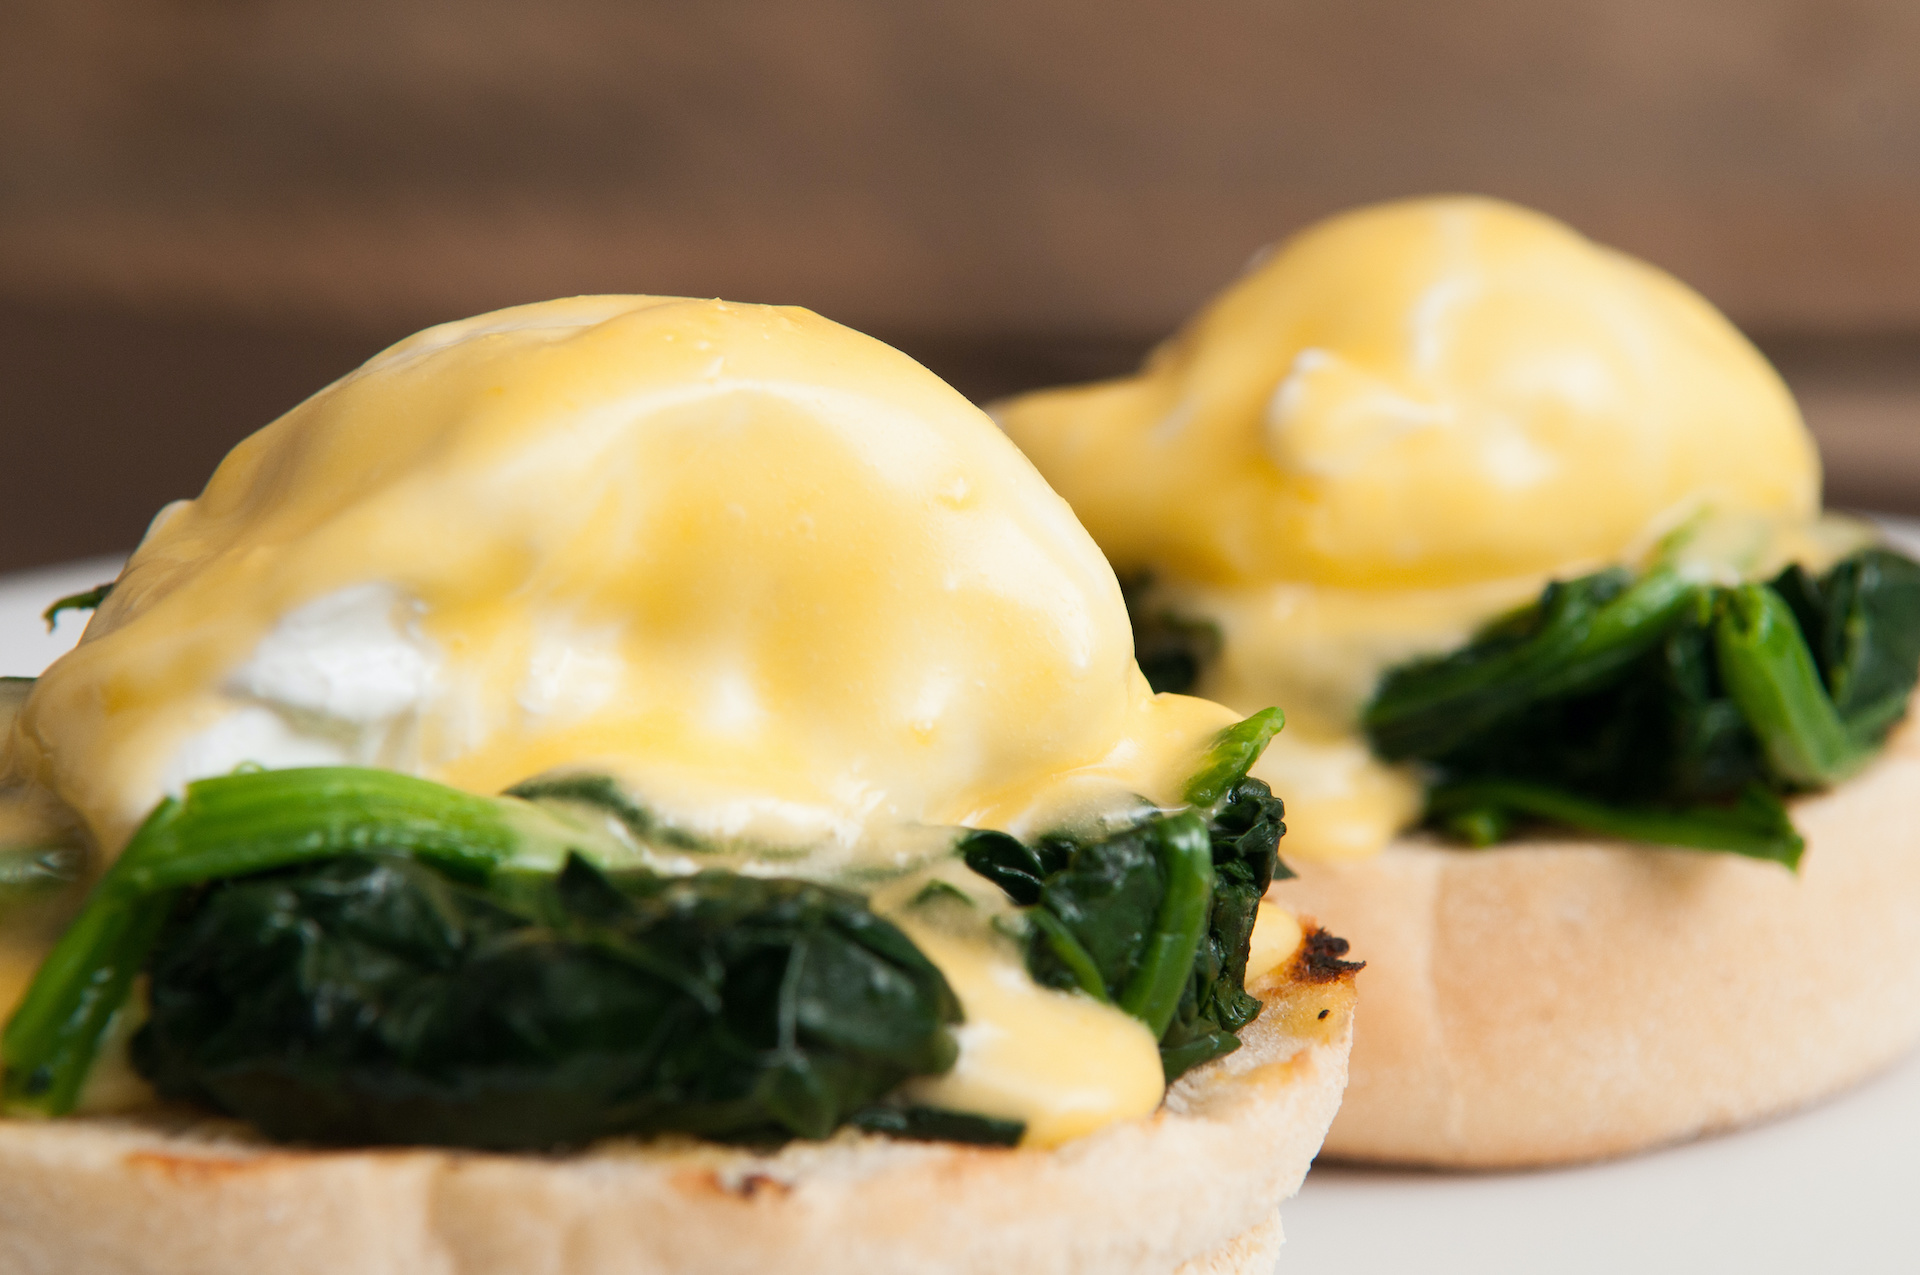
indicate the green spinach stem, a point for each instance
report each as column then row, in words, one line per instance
column 1060, row 940
column 1757, row 826
column 1186, row 855
column 1771, row 676
column 235, row 825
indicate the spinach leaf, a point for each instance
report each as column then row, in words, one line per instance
column 1482, row 811
column 1580, row 635
column 937, row 1124
column 1016, row 867
column 382, row 999
column 1679, row 720
column 600, row 792
column 1862, row 621
column 235, row 825
column 1231, row 756
column 1663, row 729
column 1245, row 836
column 1157, row 918
column 1137, row 903
column 1171, row 649
column 1771, row 676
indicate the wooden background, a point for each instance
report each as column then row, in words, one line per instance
column 208, row 208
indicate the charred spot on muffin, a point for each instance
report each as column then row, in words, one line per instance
column 1320, row 958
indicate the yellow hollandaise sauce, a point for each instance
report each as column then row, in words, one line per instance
column 1396, row 426
column 778, row 580
column 1061, row 1062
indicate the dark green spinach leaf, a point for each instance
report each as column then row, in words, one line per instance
column 1862, row 621
column 1578, row 637
column 1171, row 649
column 1158, row 917
column 237, row 825
column 937, row 1124
column 379, row 999
column 1679, row 719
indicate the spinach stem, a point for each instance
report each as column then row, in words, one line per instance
column 1770, row 674
column 51, row 1040
column 1231, row 756
column 1757, row 826
column 1186, row 854
column 87, row 601
column 1072, row 953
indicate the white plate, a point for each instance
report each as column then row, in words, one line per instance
column 1829, row 1189
column 1835, row 1188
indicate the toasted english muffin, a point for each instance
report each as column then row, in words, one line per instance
column 1544, row 1001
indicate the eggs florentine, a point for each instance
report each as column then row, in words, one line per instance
column 1397, row 425
column 781, row 584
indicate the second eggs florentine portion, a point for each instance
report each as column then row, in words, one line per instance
column 779, row 582
column 1398, row 425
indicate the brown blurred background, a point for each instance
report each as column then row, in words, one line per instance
column 209, row 208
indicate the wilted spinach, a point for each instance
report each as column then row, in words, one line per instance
column 1172, row 649
column 238, row 825
column 1660, row 710
column 1156, row 918
column 354, row 955
column 378, row 999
